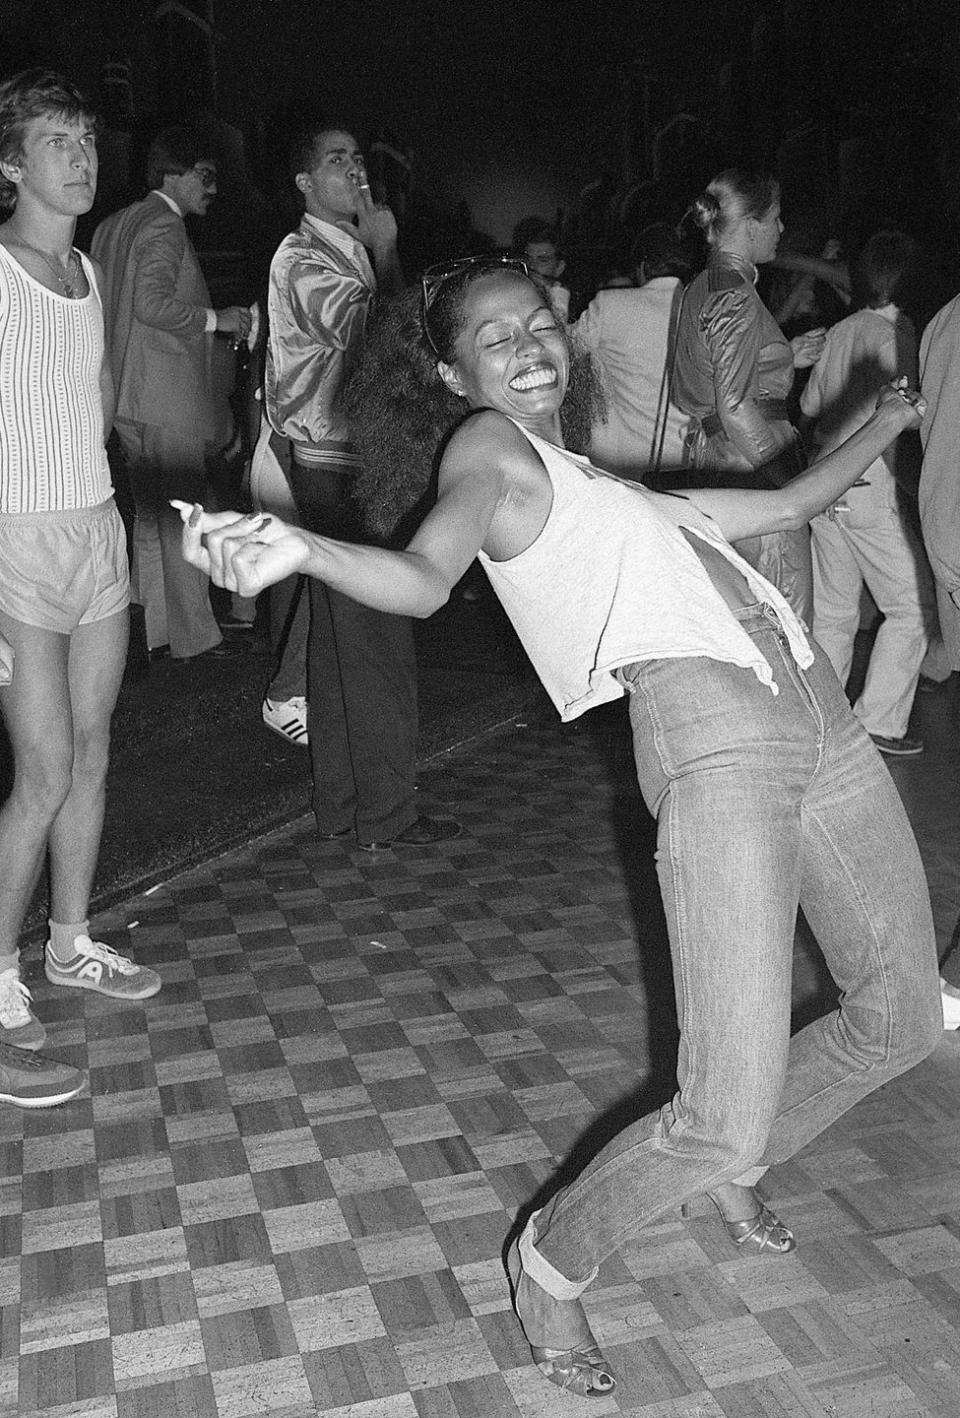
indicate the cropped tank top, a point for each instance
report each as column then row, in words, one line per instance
column 612, row 579
column 52, row 455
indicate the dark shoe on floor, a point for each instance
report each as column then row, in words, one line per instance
column 898, row 748
column 337, row 836
column 33, row 1081
column 224, row 651
column 422, row 833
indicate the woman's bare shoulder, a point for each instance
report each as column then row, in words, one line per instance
column 484, row 427
column 491, row 438
column 491, row 455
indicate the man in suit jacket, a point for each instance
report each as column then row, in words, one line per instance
column 160, row 328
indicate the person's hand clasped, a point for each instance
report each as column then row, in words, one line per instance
column 235, row 320
column 909, row 404
column 242, row 554
column 808, row 347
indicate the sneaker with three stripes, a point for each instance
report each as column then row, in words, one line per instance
column 288, row 718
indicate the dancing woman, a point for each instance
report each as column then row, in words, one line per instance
column 767, row 792
column 734, row 369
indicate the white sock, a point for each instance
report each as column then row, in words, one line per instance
column 63, row 938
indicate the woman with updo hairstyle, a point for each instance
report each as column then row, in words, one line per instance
column 734, row 369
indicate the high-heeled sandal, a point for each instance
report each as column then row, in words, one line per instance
column 764, row 1231
column 579, row 1369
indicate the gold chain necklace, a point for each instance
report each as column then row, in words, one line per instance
column 67, row 275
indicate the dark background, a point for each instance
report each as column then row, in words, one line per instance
column 601, row 114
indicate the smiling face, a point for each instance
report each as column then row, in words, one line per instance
column 55, row 171
column 510, row 354
column 331, row 185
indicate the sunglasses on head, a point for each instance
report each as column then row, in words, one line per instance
column 436, row 277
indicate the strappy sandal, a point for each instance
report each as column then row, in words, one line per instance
column 580, row 1369
column 764, row 1231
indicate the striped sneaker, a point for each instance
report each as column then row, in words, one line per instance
column 18, row 1024
column 32, row 1081
column 288, row 718
column 98, row 967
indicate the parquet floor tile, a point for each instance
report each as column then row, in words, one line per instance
column 288, row 1188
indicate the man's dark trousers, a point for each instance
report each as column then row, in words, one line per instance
column 361, row 686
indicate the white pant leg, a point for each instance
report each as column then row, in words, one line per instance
column 837, row 585
column 937, row 662
column 896, row 572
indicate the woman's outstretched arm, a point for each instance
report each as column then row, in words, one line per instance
column 247, row 554
column 749, row 513
column 835, row 273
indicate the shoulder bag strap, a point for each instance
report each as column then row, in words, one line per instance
column 666, row 381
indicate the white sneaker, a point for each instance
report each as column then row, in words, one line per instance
column 950, row 999
column 288, row 718
column 98, row 967
column 18, row 1024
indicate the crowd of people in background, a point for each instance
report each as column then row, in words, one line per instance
column 723, row 360
column 766, row 475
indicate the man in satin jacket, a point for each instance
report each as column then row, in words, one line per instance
column 361, row 665
column 160, row 328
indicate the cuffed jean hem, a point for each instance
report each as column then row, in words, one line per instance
column 542, row 1273
column 750, row 1178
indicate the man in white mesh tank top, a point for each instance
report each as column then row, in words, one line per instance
column 63, row 565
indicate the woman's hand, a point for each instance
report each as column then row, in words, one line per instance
column 242, row 554
column 808, row 347
column 907, row 404
column 6, row 661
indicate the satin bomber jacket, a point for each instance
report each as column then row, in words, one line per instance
column 731, row 353
column 321, row 287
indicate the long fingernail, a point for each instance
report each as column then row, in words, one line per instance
column 194, row 519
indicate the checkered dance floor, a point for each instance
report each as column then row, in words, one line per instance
column 288, row 1188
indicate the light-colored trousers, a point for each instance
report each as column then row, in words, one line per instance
column 877, row 548
column 164, row 463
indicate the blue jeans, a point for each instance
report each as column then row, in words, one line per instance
column 764, row 803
